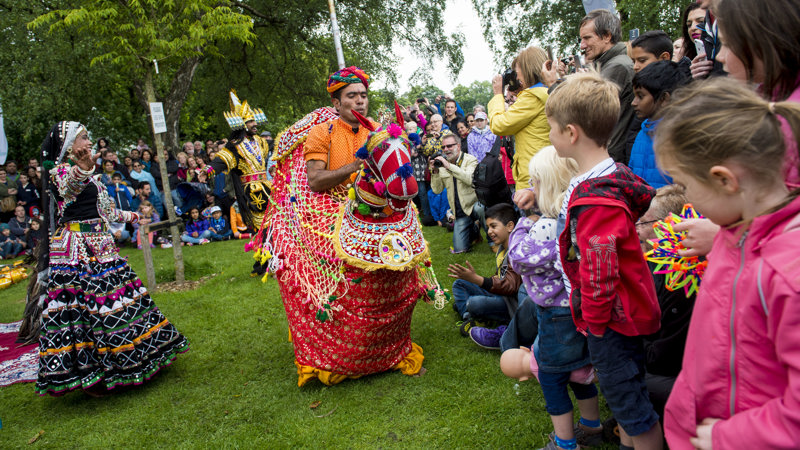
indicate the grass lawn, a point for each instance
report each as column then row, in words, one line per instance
column 237, row 385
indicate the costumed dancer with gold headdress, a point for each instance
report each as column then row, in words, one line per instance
column 96, row 324
column 345, row 244
column 244, row 158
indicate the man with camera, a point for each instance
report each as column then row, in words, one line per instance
column 452, row 170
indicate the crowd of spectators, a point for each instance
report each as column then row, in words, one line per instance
column 135, row 183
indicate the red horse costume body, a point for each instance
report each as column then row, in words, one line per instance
column 350, row 262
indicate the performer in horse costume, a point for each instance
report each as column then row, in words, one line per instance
column 344, row 241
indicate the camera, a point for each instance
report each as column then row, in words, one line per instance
column 436, row 162
column 510, row 80
column 421, row 100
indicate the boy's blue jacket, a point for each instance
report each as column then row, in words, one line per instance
column 643, row 160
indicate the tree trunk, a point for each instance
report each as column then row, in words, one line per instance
column 150, row 96
column 173, row 101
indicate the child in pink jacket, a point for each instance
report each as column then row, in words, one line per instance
column 740, row 383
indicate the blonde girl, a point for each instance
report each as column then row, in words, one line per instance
column 559, row 348
column 740, row 383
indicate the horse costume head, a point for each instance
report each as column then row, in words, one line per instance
column 387, row 178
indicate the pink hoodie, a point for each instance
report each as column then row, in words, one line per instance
column 742, row 360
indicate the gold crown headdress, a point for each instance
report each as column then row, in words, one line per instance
column 241, row 113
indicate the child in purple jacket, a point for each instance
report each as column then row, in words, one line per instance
column 559, row 348
column 197, row 229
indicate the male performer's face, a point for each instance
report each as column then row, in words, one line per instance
column 252, row 128
column 353, row 98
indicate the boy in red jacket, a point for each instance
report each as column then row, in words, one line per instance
column 613, row 298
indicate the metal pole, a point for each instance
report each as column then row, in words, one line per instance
column 337, row 42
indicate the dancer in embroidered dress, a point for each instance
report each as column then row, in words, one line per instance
column 96, row 324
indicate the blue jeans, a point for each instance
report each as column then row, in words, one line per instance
column 10, row 249
column 524, row 326
column 559, row 348
column 472, row 301
column 556, row 396
column 619, row 363
column 221, row 236
column 186, row 237
column 465, row 231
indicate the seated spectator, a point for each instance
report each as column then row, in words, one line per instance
column 140, row 175
column 494, row 298
column 11, row 170
column 140, row 145
column 20, row 225
column 35, row 235
column 480, row 139
column 120, row 193
column 27, row 193
column 191, row 169
column 146, row 160
column 218, row 226
column 8, row 195
column 238, row 227
column 107, row 173
column 453, row 171
column 439, row 208
column 652, row 89
column 183, row 166
column 197, row 229
column 10, row 246
column 144, row 193
column 34, row 175
column 121, row 235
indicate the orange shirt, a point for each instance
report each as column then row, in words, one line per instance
column 337, row 138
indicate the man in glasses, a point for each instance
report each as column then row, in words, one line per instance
column 452, row 170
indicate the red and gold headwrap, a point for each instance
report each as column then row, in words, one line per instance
column 348, row 75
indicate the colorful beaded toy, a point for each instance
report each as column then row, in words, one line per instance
column 681, row 272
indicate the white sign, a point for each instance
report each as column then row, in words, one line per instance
column 157, row 117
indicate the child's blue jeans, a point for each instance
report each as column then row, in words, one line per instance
column 221, row 236
column 472, row 301
column 186, row 237
column 10, row 249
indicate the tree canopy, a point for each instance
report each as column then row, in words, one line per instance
column 511, row 25
column 90, row 60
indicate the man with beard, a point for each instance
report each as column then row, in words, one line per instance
column 244, row 158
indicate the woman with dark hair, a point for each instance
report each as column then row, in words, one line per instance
column 463, row 131
column 693, row 18
column 147, row 159
column 96, row 324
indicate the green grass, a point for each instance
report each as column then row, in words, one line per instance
column 237, row 386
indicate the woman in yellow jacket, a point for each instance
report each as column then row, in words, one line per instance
column 525, row 119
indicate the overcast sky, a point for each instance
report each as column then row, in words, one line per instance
column 478, row 60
